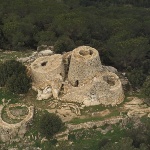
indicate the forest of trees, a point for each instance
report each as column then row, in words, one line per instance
column 118, row 29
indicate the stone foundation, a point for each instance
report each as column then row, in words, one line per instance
column 9, row 131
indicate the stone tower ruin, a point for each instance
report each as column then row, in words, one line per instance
column 84, row 65
column 48, row 71
column 86, row 81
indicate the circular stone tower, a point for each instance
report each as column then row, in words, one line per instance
column 46, row 69
column 85, row 64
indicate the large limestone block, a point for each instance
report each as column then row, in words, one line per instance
column 44, row 94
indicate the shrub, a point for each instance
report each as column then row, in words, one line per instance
column 64, row 44
column 18, row 83
column 136, row 78
column 72, row 137
column 139, row 135
column 49, row 124
column 146, row 87
column 13, row 76
column 9, row 68
column 103, row 142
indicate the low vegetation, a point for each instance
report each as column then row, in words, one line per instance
column 49, row 124
column 13, row 75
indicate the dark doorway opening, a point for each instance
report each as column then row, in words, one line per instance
column 76, row 83
column 44, row 63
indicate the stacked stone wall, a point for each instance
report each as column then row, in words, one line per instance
column 97, row 91
column 86, row 81
column 85, row 63
column 46, row 69
column 9, row 131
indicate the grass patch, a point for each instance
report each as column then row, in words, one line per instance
column 89, row 139
column 30, row 99
column 7, row 119
column 7, row 55
column 114, row 112
column 4, row 94
column 91, row 109
column 23, row 110
column 145, row 119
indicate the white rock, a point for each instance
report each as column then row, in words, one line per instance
column 45, row 94
column 111, row 69
column 46, row 52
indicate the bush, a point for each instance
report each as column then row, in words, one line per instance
column 146, row 87
column 103, row 142
column 136, row 78
column 64, row 44
column 49, row 124
column 18, row 83
column 71, row 137
column 123, row 144
column 139, row 135
column 13, row 76
column 9, row 68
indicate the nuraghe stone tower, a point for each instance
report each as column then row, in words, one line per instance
column 86, row 81
column 85, row 63
column 48, row 71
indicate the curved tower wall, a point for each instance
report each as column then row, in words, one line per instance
column 85, row 63
column 46, row 69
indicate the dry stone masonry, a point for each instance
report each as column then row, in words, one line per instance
column 84, row 65
column 48, row 70
column 77, row 76
column 9, row 131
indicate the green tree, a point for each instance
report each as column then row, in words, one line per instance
column 19, row 34
column 146, row 87
column 13, row 75
column 49, row 124
column 74, row 25
column 130, row 52
column 18, row 84
column 140, row 135
column 123, row 144
column 136, row 78
column 9, row 68
column 46, row 37
column 146, row 66
column 64, row 44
